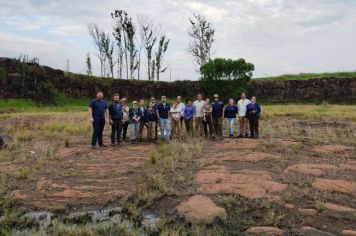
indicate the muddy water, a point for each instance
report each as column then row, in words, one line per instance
column 43, row 220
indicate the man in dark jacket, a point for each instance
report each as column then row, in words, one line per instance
column 217, row 113
column 115, row 117
column 253, row 112
column 98, row 115
column 142, row 112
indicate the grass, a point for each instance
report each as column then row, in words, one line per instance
column 308, row 76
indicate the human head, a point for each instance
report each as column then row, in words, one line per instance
column 134, row 104
column 153, row 100
column 150, row 104
column 199, row 96
column 179, row 99
column 231, row 101
column 207, row 101
column 253, row 99
column 243, row 95
column 188, row 102
column 175, row 105
column 116, row 98
column 163, row 99
column 142, row 102
column 124, row 101
column 99, row 95
column 216, row 97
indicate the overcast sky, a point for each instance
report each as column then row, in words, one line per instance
column 278, row 36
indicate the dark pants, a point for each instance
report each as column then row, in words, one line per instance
column 189, row 126
column 217, row 122
column 208, row 124
column 98, row 128
column 116, row 131
column 124, row 130
column 253, row 126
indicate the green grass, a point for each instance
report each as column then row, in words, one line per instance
column 307, row 76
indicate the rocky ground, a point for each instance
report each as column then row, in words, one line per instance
column 295, row 180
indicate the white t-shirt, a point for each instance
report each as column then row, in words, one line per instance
column 181, row 106
column 241, row 105
column 199, row 106
column 175, row 112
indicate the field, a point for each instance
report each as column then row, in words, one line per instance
column 299, row 178
column 307, row 76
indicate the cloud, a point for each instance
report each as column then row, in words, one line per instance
column 278, row 36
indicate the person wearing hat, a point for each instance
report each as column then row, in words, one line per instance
column 154, row 107
column 115, row 117
column 98, row 115
column 217, row 107
column 163, row 116
column 125, row 118
column 134, row 122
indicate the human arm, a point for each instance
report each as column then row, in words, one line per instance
column 90, row 113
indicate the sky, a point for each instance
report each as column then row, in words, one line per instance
column 277, row 36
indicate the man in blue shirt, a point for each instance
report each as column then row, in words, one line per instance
column 163, row 116
column 253, row 113
column 115, row 117
column 217, row 113
column 98, row 115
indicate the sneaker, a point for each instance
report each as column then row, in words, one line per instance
column 240, row 136
column 93, row 147
column 102, row 146
column 246, row 135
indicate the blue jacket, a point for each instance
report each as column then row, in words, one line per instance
column 163, row 111
column 151, row 115
column 253, row 110
column 189, row 112
column 230, row 111
column 132, row 113
column 115, row 111
column 217, row 109
column 143, row 115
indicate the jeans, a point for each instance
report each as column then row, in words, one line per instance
column 165, row 129
column 116, row 131
column 98, row 128
column 134, row 131
column 231, row 124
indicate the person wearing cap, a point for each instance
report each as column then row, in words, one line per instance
column 134, row 122
column 125, row 118
column 154, row 106
column 181, row 107
column 163, row 116
column 243, row 121
column 115, row 117
column 217, row 108
column 199, row 115
column 98, row 115
column 142, row 112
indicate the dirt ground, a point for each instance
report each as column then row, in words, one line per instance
column 297, row 179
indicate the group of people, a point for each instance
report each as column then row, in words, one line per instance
column 201, row 118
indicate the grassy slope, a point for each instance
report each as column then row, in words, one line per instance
column 302, row 76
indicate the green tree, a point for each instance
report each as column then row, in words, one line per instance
column 226, row 76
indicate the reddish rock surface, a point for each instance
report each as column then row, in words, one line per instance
column 199, row 208
column 313, row 231
column 350, row 165
column 247, row 183
column 335, row 185
column 307, row 212
column 17, row 195
column 331, row 148
column 311, row 169
column 348, row 232
column 243, row 156
column 264, row 230
column 238, row 143
column 338, row 208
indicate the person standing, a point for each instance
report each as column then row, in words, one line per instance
column 189, row 112
column 217, row 107
column 180, row 106
column 243, row 122
column 152, row 121
column 142, row 112
column 253, row 113
column 175, row 114
column 154, row 106
column 230, row 113
column 125, row 118
column 163, row 116
column 98, row 115
column 199, row 115
column 207, row 120
column 134, row 122
column 115, row 117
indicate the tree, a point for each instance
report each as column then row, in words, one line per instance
column 202, row 38
column 148, row 35
column 162, row 48
column 119, row 17
column 88, row 63
column 108, row 48
column 98, row 36
column 130, row 31
column 226, row 76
